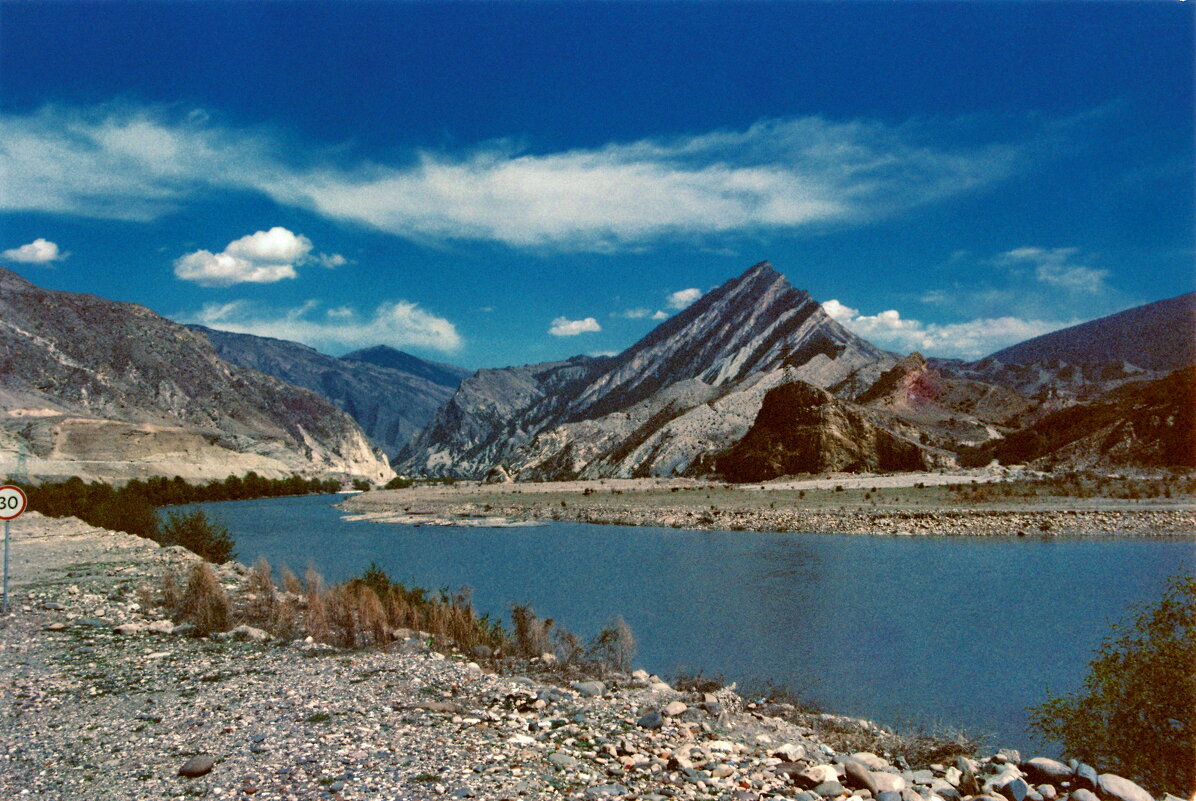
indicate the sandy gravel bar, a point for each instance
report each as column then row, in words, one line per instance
column 877, row 505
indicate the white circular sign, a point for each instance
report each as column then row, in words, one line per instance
column 12, row 502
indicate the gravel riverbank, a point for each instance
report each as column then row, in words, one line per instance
column 903, row 505
column 101, row 698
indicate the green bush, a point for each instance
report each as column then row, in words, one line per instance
column 199, row 535
column 1136, row 713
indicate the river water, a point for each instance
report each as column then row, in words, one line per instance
column 911, row 632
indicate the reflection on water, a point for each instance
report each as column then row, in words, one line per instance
column 903, row 630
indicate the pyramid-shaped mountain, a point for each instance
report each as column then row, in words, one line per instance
column 691, row 387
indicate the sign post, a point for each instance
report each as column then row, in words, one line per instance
column 12, row 503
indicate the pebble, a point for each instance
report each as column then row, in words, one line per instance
column 197, row 765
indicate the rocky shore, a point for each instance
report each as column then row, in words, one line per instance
column 101, row 697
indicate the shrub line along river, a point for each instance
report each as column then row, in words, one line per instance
column 906, row 631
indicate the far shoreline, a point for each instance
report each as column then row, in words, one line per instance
column 901, row 504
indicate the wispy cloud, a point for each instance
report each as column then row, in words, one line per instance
column 395, row 323
column 1057, row 267
column 39, row 251
column 682, row 298
column 564, row 327
column 139, row 163
column 966, row 340
column 259, row 258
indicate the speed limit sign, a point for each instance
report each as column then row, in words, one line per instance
column 12, row 502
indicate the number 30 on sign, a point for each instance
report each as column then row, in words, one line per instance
column 12, row 502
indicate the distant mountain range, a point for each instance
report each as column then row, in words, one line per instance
column 752, row 381
column 389, row 393
column 100, row 389
column 712, row 390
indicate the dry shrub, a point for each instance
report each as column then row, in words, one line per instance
column 532, row 635
column 285, row 622
column 290, row 582
column 613, row 648
column 172, row 595
column 145, row 597
column 317, row 622
column 260, row 585
column 204, row 602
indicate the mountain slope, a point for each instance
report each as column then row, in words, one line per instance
column 1144, row 424
column 389, row 403
column 111, row 390
column 691, row 385
column 445, row 375
column 1157, row 336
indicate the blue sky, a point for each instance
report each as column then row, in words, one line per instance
column 491, row 184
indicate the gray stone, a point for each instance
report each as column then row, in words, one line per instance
column 652, row 720
column 857, row 776
column 562, row 760
column 1086, row 777
column 1114, row 786
column 464, row 792
column 1042, row 769
column 1083, row 794
column 197, row 765
column 1047, row 791
column 249, row 633
column 589, row 689
column 1017, row 789
column 674, row 708
column 831, row 789
column 161, row 627
column 56, row 627
column 606, row 791
column 920, row 777
column 889, row 795
column 129, row 628
column 336, row 786
column 888, row 782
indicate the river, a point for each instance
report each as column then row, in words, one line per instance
column 910, row 632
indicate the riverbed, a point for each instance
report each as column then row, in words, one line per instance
column 910, row 632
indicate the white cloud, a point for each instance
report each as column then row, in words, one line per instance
column 330, row 260
column 259, row 258
column 140, row 163
column 1054, row 266
column 39, row 251
column 396, row 323
column 634, row 314
column 564, row 327
column 660, row 315
column 838, row 311
column 966, row 340
column 683, row 297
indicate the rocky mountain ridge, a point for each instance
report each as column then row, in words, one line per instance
column 678, row 400
column 110, row 390
column 389, row 393
column 692, row 385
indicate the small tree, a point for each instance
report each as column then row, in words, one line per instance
column 1136, row 713
column 199, row 535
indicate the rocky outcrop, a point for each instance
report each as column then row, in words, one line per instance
column 803, row 429
column 389, row 393
column 690, row 387
column 1143, row 424
column 100, row 389
column 948, row 410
